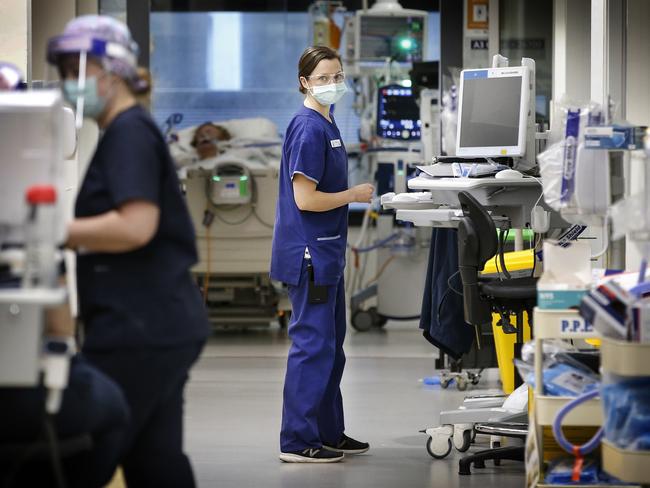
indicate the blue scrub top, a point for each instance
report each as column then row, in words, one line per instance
column 313, row 147
column 147, row 297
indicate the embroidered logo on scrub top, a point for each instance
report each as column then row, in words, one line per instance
column 335, row 142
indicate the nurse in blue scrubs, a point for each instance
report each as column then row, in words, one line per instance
column 309, row 246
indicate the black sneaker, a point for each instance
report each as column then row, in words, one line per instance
column 311, row 455
column 349, row 446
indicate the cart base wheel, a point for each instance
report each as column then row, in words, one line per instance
column 362, row 320
column 437, row 449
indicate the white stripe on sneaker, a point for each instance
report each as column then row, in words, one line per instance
column 297, row 458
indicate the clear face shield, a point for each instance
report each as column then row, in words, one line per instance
column 73, row 55
column 75, row 95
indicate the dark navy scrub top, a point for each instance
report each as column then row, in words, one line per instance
column 313, row 147
column 147, row 297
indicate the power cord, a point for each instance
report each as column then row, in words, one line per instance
column 503, row 235
column 55, row 451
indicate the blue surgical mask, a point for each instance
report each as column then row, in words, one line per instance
column 94, row 104
column 329, row 94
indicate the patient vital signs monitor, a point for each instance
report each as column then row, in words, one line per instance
column 386, row 32
column 493, row 112
column 398, row 114
column 399, row 38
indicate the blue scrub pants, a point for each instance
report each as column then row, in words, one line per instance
column 312, row 413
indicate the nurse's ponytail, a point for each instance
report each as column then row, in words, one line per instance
column 140, row 85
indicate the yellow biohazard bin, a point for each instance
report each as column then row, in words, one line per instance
column 518, row 264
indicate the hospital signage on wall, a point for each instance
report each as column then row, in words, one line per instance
column 477, row 14
column 479, row 44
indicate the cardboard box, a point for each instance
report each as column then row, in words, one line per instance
column 567, row 275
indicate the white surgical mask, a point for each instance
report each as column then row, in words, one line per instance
column 328, row 94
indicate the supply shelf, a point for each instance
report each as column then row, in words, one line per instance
column 562, row 324
column 625, row 464
column 586, row 415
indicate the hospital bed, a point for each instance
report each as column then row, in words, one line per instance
column 231, row 200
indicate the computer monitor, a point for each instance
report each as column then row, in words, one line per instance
column 398, row 114
column 31, row 149
column 493, row 112
column 399, row 35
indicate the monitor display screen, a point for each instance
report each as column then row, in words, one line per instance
column 398, row 114
column 490, row 112
column 399, row 38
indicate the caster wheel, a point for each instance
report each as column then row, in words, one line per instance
column 444, row 383
column 466, row 441
column 479, row 464
column 436, row 451
column 362, row 320
column 497, row 462
column 461, row 384
column 283, row 318
column 378, row 320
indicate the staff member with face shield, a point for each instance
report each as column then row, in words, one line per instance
column 144, row 320
column 309, row 246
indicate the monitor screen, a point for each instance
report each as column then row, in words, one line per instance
column 490, row 112
column 399, row 38
column 398, row 114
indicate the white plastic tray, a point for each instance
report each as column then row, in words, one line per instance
column 625, row 358
column 626, row 465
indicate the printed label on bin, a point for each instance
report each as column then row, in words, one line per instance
column 575, row 325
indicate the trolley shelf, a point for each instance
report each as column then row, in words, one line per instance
column 561, row 324
column 625, row 358
column 586, row 415
column 627, row 465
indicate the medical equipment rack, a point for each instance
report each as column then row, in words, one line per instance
column 559, row 324
column 625, row 359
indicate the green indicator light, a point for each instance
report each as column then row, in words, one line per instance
column 243, row 178
column 406, row 43
column 400, row 173
column 216, row 178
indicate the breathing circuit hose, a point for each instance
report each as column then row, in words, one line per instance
column 376, row 245
column 590, row 445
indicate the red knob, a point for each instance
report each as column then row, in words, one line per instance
column 41, row 195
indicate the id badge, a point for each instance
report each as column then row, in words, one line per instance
column 315, row 294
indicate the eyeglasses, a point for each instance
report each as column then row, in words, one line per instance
column 326, row 79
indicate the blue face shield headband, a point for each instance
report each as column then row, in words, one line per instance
column 83, row 92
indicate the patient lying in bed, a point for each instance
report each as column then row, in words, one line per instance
column 206, row 139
